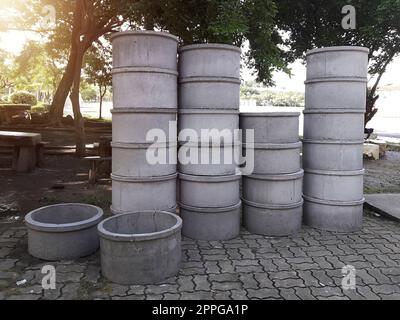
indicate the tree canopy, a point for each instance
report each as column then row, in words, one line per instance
column 221, row 21
column 318, row 23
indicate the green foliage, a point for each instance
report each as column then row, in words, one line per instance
column 23, row 97
column 248, row 92
column 280, row 99
column 263, row 97
column 36, row 68
column 317, row 23
column 40, row 107
column 5, row 99
column 5, row 71
column 88, row 92
column 97, row 67
column 236, row 22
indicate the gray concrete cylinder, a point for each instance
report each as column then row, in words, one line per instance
column 145, row 101
column 133, row 125
column 210, row 223
column 148, row 87
column 324, row 93
column 201, row 120
column 281, row 189
column 143, row 193
column 268, row 126
column 338, row 216
column 209, row 191
column 209, row 60
column 269, row 220
column 143, row 160
column 209, row 99
column 334, row 185
column 63, row 231
column 144, row 49
column 334, row 124
column 333, row 155
column 333, row 137
column 208, row 159
column 341, row 61
column 141, row 247
column 275, row 158
column 209, row 93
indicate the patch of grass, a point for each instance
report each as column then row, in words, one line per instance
column 49, row 200
column 369, row 190
column 103, row 120
column 97, row 199
column 83, row 290
column 393, row 147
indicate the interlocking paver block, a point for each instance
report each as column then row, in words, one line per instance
column 264, row 293
column 201, row 282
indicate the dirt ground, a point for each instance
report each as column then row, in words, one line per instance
column 63, row 178
column 383, row 175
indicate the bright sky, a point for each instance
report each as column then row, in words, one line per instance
column 13, row 41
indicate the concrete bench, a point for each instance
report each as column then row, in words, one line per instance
column 27, row 149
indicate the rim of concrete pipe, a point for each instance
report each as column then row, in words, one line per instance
column 273, row 146
column 333, row 141
column 200, row 46
column 190, row 177
column 104, row 233
column 332, row 111
column 269, row 114
column 115, row 211
column 277, row 177
column 271, row 206
column 144, row 110
column 63, row 227
column 144, row 179
column 337, row 48
column 210, row 210
column 143, row 33
column 150, row 145
column 334, row 203
column 336, row 173
column 208, row 111
column 143, row 70
column 337, row 79
column 210, row 80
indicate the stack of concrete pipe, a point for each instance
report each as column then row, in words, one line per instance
column 144, row 98
column 209, row 98
column 272, row 194
column 333, row 137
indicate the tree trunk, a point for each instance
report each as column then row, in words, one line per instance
column 371, row 94
column 370, row 107
column 80, row 136
column 63, row 89
column 101, row 103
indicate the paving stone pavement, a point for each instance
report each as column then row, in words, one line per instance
column 305, row 266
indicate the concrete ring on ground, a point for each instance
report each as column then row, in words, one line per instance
column 141, row 247
column 63, row 231
column 272, row 220
column 211, row 223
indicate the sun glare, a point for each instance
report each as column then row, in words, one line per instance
column 11, row 40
